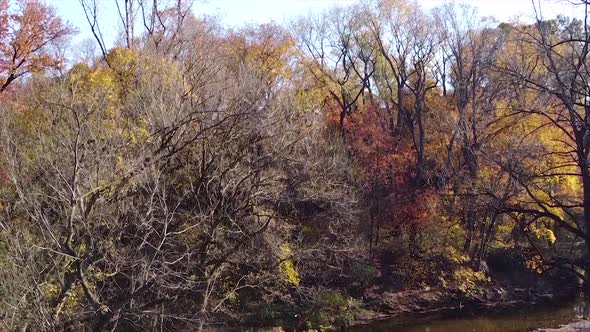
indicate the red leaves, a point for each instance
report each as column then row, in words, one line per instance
column 386, row 165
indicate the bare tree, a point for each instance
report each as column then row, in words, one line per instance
column 472, row 47
column 391, row 25
column 423, row 80
column 329, row 42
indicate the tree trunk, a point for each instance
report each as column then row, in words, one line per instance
column 342, row 117
column 420, row 161
column 391, row 118
column 7, row 82
column 586, row 188
column 371, row 231
column 401, row 114
column 412, row 241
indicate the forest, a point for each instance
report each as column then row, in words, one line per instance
column 367, row 162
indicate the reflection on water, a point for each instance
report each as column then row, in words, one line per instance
column 515, row 321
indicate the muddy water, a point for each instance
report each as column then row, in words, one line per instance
column 522, row 320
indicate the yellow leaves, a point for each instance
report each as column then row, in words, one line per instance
column 189, row 233
column 503, row 238
column 535, row 264
column 271, row 59
column 311, row 99
column 108, row 90
column 572, row 184
column 94, row 83
column 123, row 65
column 78, row 72
column 550, row 236
column 121, row 163
column 102, row 78
column 290, row 273
column 286, row 267
column 75, row 297
column 468, row 279
column 455, row 256
column 232, row 296
column 518, row 52
column 102, row 276
column 268, row 49
column 542, row 232
column 82, row 249
column 51, row 291
column 329, row 309
column 137, row 134
column 143, row 132
column 122, row 58
column 540, row 150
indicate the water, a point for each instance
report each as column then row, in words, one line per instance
column 522, row 320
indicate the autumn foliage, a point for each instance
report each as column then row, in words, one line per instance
column 30, row 37
column 386, row 169
column 193, row 174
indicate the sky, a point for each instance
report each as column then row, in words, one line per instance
column 235, row 13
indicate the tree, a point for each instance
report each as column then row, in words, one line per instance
column 549, row 71
column 392, row 28
column 29, row 40
column 422, row 55
column 160, row 193
column 472, row 48
column 267, row 48
column 327, row 43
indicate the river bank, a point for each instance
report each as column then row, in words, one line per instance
column 508, row 288
column 439, row 311
column 501, row 305
column 493, row 309
column 529, row 299
column 577, row 326
column 524, row 319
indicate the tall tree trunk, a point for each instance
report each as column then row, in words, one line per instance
column 421, row 141
column 469, row 233
column 586, row 189
column 341, row 122
column 444, row 76
column 487, row 231
column 401, row 114
column 371, row 231
column 391, row 118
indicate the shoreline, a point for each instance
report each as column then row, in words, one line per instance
column 450, row 305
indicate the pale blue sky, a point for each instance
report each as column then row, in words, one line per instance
column 239, row 12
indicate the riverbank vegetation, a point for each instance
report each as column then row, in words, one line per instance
column 367, row 161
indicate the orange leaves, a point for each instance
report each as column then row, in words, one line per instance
column 28, row 40
column 267, row 48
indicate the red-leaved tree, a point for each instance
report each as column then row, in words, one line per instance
column 30, row 34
